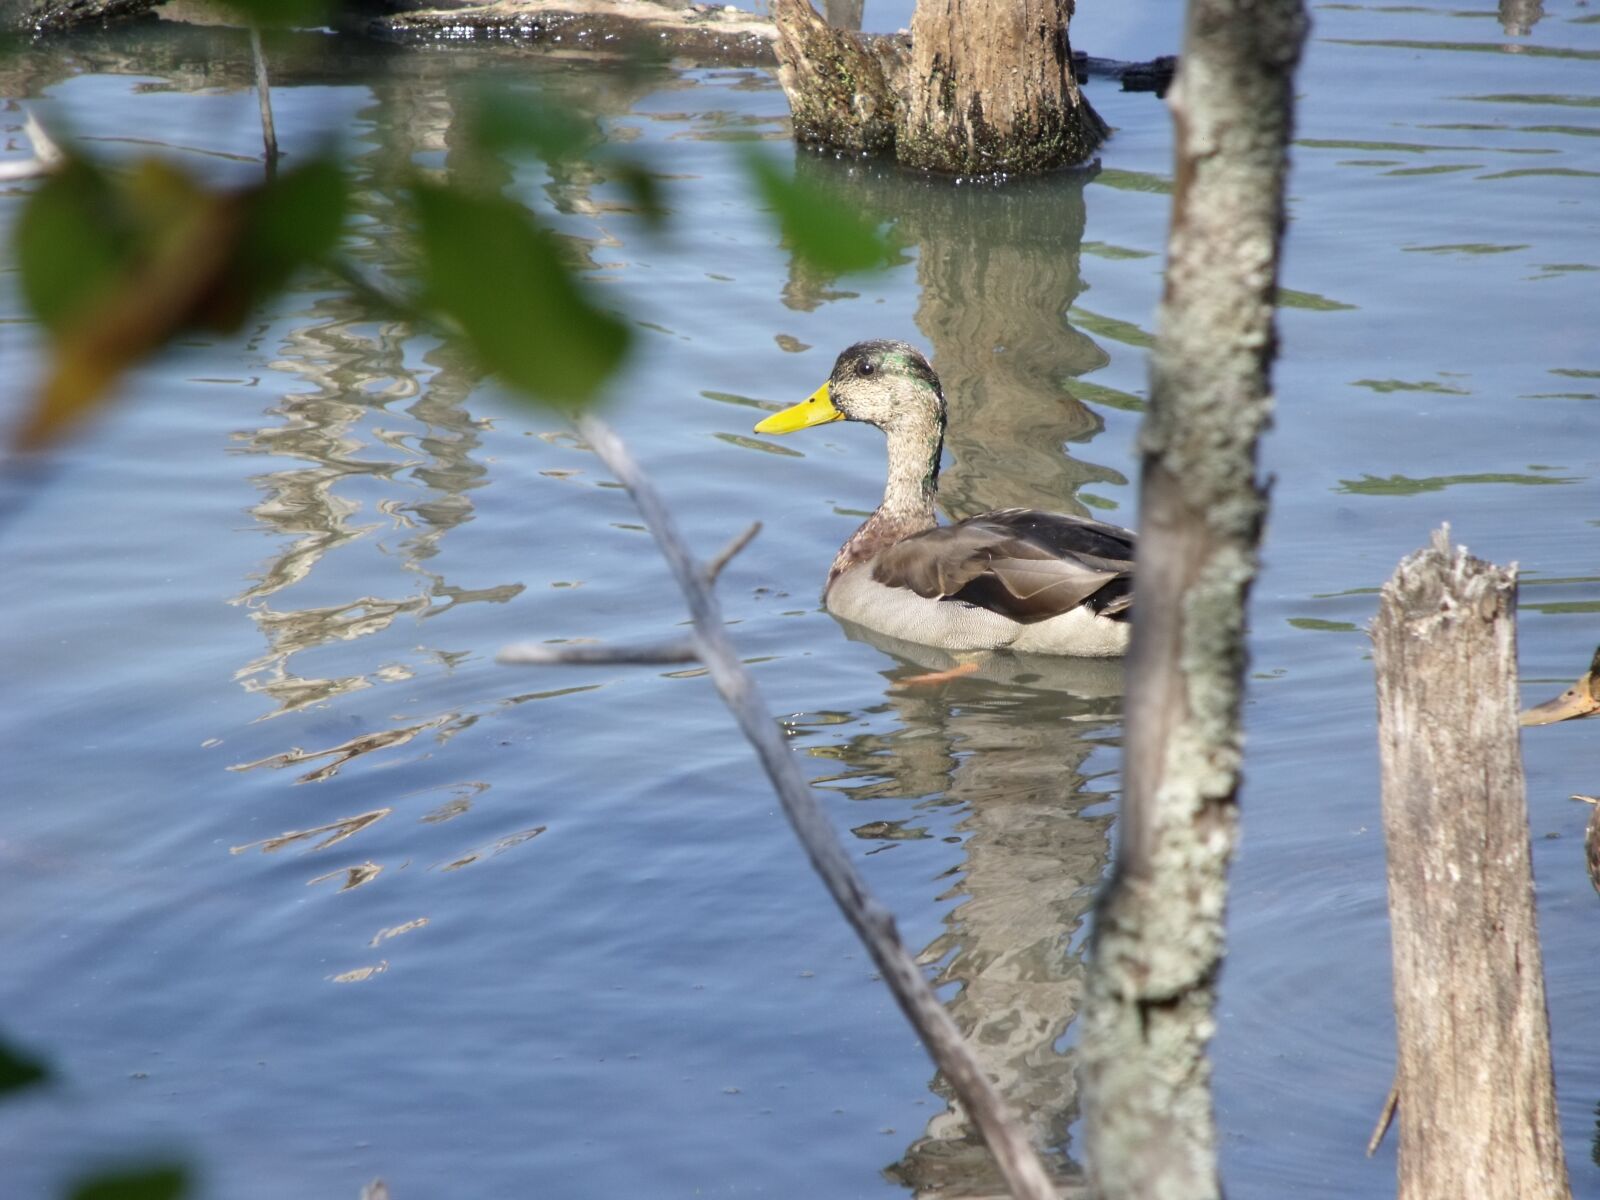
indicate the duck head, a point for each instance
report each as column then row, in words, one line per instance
column 884, row 383
column 1582, row 699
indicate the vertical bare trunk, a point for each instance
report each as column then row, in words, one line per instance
column 1477, row 1101
column 991, row 90
column 1159, row 936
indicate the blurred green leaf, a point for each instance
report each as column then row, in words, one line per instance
column 816, row 226
column 289, row 222
column 644, row 190
column 18, row 1070
column 69, row 242
column 178, row 240
column 294, row 219
column 501, row 277
column 502, row 121
column 164, row 1182
column 116, row 266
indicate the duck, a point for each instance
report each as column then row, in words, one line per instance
column 1017, row 579
column 1580, row 700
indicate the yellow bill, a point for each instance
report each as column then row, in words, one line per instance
column 1576, row 701
column 1582, row 699
column 815, row 409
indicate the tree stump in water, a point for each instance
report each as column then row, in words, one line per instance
column 982, row 87
column 1477, row 1100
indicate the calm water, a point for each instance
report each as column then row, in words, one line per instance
column 303, row 886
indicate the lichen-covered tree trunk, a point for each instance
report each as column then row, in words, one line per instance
column 1149, row 1129
column 991, row 89
column 1477, row 1099
column 982, row 88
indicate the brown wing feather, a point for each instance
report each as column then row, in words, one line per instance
column 1021, row 563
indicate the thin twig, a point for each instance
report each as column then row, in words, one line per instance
column 1018, row 1161
column 725, row 555
column 269, row 133
column 538, row 654
column 1384, row 1118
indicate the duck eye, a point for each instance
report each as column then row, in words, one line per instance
column 863, row 368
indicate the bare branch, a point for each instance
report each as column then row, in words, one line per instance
column 726, row 555
column 538, row 654
column 1385, row 1118
column 1019, row 1163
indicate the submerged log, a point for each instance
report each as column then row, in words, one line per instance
column 48, row 15
column 981, row 87
column 704, row 32
column 1477, row 1099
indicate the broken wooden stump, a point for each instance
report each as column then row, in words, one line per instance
column 1477, row 1099
column 980, row 88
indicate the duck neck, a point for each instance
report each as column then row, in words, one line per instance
column 914, row 453
column 908, row 496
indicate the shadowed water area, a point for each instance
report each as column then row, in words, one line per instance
column 304, row 887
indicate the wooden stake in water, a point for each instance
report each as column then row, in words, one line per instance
column 269, row 134
column 1477, row 1101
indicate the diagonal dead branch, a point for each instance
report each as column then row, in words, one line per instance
column 1017, row 1159
column 536, row 654
column 727, row 553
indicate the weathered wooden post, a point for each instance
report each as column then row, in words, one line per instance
column 1148, row 1125
column 1477, row 1100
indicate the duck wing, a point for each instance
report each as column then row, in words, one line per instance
column 1019, row 562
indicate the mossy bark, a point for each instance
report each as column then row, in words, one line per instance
column 843, row 87
column 1158, row 943
column 992, row 90
column 981, row 88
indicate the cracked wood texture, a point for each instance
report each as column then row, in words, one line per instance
column 990, row 90
column 1477, row 1101
column 1148, row 1124
column 982, row 88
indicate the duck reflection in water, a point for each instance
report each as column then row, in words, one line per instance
column 1021, row 752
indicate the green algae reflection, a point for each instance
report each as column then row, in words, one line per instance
column 1403, row 485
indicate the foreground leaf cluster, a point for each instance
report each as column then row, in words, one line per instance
column 118, row 262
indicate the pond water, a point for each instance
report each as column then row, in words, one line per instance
column 303, row 887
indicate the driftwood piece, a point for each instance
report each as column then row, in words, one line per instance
column 46, row 156
column 1477, row 1099
column 1158, row 944
column 1019, row 1162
